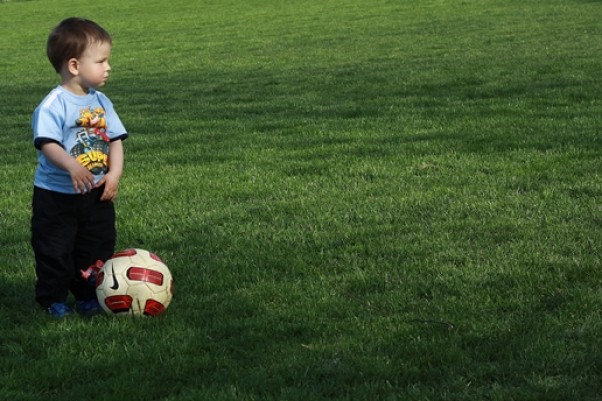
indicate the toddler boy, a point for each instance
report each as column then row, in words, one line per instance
column 79, row 137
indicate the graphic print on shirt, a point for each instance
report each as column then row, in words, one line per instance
column 92, row 147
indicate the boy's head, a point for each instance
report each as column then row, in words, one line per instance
column 70, row 39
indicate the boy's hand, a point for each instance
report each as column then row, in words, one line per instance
column 83, row 180
column 111, row 183
column 111, row 179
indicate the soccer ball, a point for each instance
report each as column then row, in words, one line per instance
column 134, row 282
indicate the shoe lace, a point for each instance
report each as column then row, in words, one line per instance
column 91, row 273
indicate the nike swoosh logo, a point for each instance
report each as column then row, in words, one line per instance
column 115, row 282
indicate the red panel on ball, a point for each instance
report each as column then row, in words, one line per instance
column 153, row 308
column 146, row 275
column 100, row 278
column 119, row 303
column 125, row 252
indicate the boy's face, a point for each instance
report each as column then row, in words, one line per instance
column 93, row 66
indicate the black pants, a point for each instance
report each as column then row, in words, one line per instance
column 68, row 234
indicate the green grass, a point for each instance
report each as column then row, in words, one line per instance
column 358, row 200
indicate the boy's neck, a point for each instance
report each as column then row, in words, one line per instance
column 75, row 88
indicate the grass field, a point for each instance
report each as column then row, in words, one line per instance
column 359, row 200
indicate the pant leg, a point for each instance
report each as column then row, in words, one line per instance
column 53, row 229
column 95, row 239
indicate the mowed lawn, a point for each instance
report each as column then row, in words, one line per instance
column 359, row 200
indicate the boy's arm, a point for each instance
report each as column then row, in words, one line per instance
column 83, row 180
column 112, row 177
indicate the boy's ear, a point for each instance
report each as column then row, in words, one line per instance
column 73, row 66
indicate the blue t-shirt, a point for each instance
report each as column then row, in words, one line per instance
column 84, row 126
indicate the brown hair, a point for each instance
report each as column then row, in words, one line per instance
column 71, row 37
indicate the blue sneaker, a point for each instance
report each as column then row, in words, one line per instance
column 90, row 307
column 59, row 310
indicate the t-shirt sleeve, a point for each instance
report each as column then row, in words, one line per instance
column 47, row 126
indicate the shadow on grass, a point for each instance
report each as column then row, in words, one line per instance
column 381, row 108
column 222, row 114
